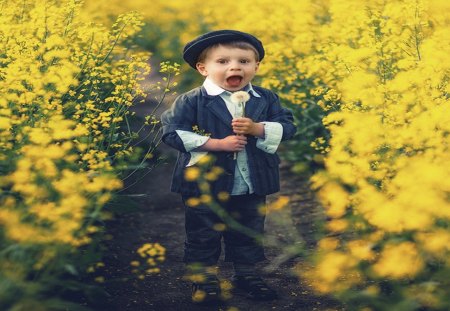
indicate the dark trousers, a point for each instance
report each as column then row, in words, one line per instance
column 205, row 229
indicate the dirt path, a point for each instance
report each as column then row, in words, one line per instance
column 160, row 217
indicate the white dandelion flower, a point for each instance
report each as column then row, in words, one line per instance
column 240, row 97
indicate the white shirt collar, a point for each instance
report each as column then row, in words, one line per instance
column 214, row 90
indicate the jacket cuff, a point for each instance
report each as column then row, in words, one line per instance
column 191, row 140
column 273, row 132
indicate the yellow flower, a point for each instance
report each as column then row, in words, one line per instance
column 205, row 199
column 153, row 270
column 199, row 296
column 100, row 279
column 280, row 203
column 398, row 261
column 135, row 263
column 335, row 199
column 219, row 227
column 198, row 278
column 223, row 196
column 5, row 123
column 328, row 243
column 214, row 173
column 337, row 225
column 39, row 136
column 436, row 242
column 361, row 249
column 192, row 202
column 192, row 173
column 333, row 266
column 205, row 159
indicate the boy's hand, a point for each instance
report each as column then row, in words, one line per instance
column 243, row 126
column 233, row 143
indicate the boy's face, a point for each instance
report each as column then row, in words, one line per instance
column 228, row 67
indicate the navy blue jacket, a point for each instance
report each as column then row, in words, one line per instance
column 211, row 115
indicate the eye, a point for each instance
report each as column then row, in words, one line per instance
column 244, row 61
column 222, row 61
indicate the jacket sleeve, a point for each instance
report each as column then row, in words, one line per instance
column 181, row 116
column 282, row 115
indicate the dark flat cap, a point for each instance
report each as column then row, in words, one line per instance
column 193, row 49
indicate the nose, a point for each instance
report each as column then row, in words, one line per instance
column 235, row 65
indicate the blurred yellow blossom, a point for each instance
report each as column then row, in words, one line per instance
column 399, row 261
column 192, row 173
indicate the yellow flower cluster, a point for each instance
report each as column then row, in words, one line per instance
column 280, row 203
column 152, row 254
column 66, row 86
column 54, row 109
column 386, row 170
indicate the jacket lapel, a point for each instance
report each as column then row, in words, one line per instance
column 254, row 107
column 218, row 107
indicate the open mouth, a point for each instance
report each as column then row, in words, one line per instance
column 234, row 81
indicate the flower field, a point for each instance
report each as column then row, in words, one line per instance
column 67, row 85
column 368, row 82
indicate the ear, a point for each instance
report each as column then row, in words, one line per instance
column 202, row 69
column 256, row 66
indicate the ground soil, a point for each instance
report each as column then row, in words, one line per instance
column 158, row 216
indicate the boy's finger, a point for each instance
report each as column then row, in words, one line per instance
column 240, row 120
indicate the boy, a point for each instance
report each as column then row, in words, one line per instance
column 228, row 60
